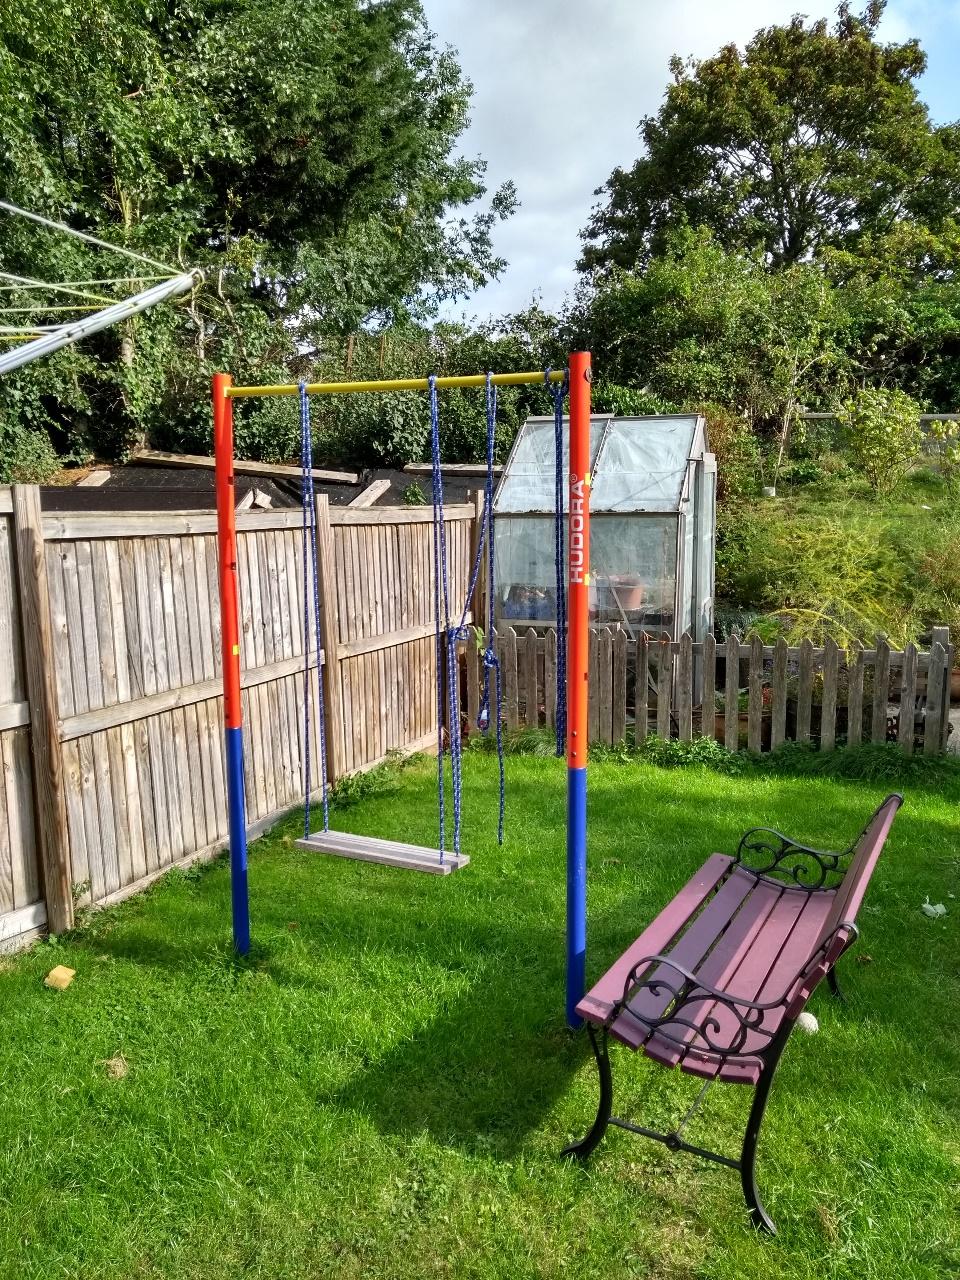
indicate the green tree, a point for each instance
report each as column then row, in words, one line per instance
column 811, row 139
column 301, row 153
column 701, row 324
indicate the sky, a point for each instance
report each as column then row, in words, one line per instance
column 561, row 86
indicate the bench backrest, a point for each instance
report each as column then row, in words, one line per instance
column 849, row 895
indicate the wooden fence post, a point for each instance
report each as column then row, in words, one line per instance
column 933, row 718
column 329, row 639
column 731, row 693
column 39, row 664
column 941, row 636
column 708, row 701
column 755, row 695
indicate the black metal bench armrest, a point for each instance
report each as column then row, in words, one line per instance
column 674, row 1024
column 770, row 854
column 690, row 988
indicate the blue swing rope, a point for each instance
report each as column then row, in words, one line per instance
column 448, row 636
column 311, row 577
column 559, row 391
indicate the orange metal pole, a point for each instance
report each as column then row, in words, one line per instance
column 230, row 634
column 578, row 669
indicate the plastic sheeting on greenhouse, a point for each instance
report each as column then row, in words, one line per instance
column 653, row 525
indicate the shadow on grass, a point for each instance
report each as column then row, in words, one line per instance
column 481, row 1068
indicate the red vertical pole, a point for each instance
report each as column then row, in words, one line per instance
column 578, row 651
column 230, row 636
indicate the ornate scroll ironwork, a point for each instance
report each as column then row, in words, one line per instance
column 766, row 852
column 686, row 990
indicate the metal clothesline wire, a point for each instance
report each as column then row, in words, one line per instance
column 83, row 235
column 27, row 283
column 76, row 293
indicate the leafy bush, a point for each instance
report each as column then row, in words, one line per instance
column 819, row 577
column 946, row 436
column 26, row 457
column 413, row 495
column 802, row 472
column 881, row 428
column 270, row 431
column 626, row 402
column 735, row 447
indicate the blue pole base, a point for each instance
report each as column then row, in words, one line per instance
column 236, row 805
column 576, row 892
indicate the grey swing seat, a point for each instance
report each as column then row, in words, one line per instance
column 389, row 853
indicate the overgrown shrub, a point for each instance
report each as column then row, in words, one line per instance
column 818, row 577
column 881, row 430
column 946, row 437
column 736, row 449
column 26, row 457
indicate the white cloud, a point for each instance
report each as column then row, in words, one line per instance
column 560, row 88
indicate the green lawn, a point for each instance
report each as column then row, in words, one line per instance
column 383, row 1091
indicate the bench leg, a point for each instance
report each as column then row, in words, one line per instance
column 758, row 1214
column 834, row 986
column 582, row 1149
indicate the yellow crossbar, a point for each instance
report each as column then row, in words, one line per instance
column 394, row 384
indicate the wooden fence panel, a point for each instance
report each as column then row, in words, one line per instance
column 806, row 694
column 881, row 692
column 130, row 616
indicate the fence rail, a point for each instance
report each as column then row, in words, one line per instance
column 742, row 693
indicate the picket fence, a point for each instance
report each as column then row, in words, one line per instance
column 742, row 693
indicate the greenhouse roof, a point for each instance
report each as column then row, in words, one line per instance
column 638, row 464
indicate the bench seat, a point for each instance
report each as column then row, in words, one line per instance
column 751, row 939
column 715, row 984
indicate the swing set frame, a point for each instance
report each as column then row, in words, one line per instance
column 578, row 580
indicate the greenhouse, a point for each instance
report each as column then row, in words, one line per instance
column 653, row 525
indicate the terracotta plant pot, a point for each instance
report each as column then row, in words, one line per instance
column 628, row 591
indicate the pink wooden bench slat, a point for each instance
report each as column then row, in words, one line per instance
column 743, row 975
column 755, row 901
column 600, row 999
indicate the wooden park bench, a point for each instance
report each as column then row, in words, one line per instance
column 716, row 983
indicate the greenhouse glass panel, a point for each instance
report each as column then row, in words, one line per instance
column 528, row 481
column 642, row 464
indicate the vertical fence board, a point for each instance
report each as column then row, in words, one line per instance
column 605, row 685
column 805, row 691
column 855, row 697
column 708, row 703
column 828, row 705
column 642, row 691
column 550, row 678
column 510, row 679
column 731, row 694
column 531, row 697
column 685, row 689
column 664, row 687
column 941, row 636
column 933, row 712
column 906, row 720
column 618, row 723
column 473, row 683
column 755, row 695
column 778, row 693
column 881, row 692
column 40, row 670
